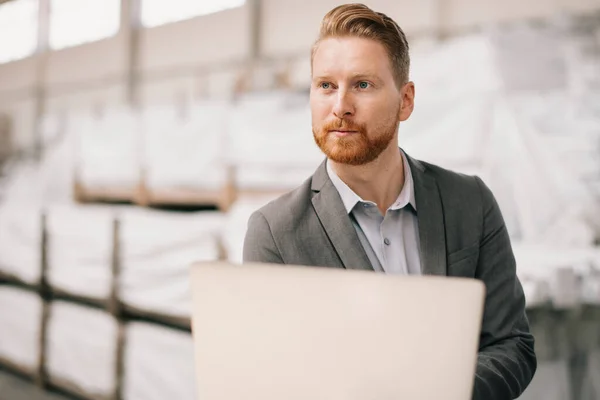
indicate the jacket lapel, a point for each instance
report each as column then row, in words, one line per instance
column 430, row 217
column 336, row 222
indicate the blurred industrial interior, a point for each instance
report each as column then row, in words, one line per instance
column 137, row 136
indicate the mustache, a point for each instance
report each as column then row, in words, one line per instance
column 342, row 124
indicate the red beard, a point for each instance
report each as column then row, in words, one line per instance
column 354, row 149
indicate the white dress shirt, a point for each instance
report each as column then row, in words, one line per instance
column 391, row 241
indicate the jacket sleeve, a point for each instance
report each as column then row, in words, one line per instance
column 259, row 245
column 506, row 361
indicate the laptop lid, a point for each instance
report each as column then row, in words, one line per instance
column 265, row 332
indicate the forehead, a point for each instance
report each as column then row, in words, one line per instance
column 351, row 54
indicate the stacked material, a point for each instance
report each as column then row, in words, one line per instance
column 80, row 245
column 159, row 364
column 20, row 243
column 555, row 66
column 583, row 113
column 156, row 253
column 528, row 56
column 20, row 332
column 270, row 142
column 38, row 184
column 480, row 128
column 185, row 151
column 82, row 350
column 108, row 150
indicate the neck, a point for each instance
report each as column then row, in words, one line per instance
column 379, row 181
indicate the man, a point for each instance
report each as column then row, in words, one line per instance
column 370, row 206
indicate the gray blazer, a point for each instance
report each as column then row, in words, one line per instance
column 462, row 233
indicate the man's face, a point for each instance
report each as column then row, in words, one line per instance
column 355, row 103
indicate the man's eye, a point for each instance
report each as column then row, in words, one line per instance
column 363, row 85
column 326, row 85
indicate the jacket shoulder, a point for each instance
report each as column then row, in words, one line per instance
column 285, row 210
column 455, row 185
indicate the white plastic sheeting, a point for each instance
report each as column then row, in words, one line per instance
column 185, row 151
column 108, row 149
column 454, row 69
column 80, row 242
column 159, row 364
column 554, row 66
column 82, row 348
column 20, row 322
column 32, row 184
column 476, row 126
column 529, row 57
column 20, row 242
column 270, row 141
column 157, row 251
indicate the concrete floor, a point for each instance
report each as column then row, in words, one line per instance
column 13, row 387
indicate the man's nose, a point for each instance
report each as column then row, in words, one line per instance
column 343, row 105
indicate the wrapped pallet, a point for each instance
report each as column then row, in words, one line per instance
column 157, row 249
column 512, row 158
column 158, row 364
column 20, row 335
column 80, row 245
column 499, row 121
column 108, row 154
column 270, row 143
column 81, row 350
column 21, row 243
column 183, row 154
column 49, row 180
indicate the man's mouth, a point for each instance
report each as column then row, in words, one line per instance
column 342, row 132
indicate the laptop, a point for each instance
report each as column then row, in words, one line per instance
column 274, row 332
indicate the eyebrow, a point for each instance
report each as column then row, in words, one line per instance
column 354, row 77
column 365, row 76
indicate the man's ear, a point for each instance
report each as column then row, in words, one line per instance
column 408, row 101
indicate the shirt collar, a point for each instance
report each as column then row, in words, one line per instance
column 350, row 198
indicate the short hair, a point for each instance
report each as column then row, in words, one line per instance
column 358, row 20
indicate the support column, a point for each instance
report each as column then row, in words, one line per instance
column 42, row 54
column 441, row 13
column 255, row 29
column 130, row 31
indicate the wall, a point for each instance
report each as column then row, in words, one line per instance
column 462, row 14
column 290, row 27
column 216, row 38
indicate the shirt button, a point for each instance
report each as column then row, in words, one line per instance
column 386, row 241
